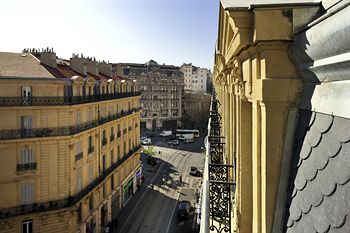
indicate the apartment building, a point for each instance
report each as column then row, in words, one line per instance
column 196, row 78
column 278, row 149
column 162, row 88
column 69, row 143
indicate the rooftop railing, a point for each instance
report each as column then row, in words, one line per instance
column 61, row 100
column 69, row 201
column 218, row 187
column 6, row 134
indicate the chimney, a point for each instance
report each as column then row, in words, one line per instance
column 92, row 67
column 105, row 68
column 78, row 64
column 48, row 58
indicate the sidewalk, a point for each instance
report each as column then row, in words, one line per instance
column 148, row 173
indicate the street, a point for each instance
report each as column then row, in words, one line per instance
column 153, row 210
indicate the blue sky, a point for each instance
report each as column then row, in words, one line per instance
column 168, row 31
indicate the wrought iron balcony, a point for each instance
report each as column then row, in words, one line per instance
column 60, row 131
column 69, row 201
column 26, row 167
column 218, row 187
column 61, row 100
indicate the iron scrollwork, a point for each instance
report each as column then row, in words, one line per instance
column 220, row 186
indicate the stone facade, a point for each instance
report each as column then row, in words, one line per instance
column 196, row 110
column 69, row 142
column 162, row 89
column 196, row 78
column 281, row 75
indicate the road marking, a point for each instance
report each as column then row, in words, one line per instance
column 143, row 195
column 172, row 215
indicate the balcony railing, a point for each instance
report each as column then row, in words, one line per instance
column 60, row 131
column 26, row 167
column 69, row 201
column 61, row 100
column 218, row 187
column 79, row 156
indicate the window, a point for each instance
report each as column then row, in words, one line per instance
column 112, row 181
column 91, row 202
column 27, row 226
column 91, row 144
column 78, row 118
column 90, row 115
column 27, row 193
column 91, row 172
column 79, row 183
column 26, row 95
column 26, row 125
column 124, row 148
column 78, row 148
column 27, row 160
column 112, row 159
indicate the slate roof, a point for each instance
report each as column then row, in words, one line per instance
column 21, row 65
column 319, row 189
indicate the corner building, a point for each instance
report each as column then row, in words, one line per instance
column 69, row 143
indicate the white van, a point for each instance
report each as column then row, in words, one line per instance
column 166, row 133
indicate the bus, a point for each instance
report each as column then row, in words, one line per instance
column 181, row 132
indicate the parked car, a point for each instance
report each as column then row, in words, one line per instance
column 146, row 141
column 142, row 138
column 193, row 171
column 173, row 142
column 183, row 210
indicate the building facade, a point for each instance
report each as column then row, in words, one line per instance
column 162, row 88
column 196, row 78
column 69, row 143
column 278, row 149
column 196, row 111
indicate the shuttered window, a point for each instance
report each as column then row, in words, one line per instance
column 91, row 172
column 79, row 182
column 78, row 118
column 27, row 156
column 27, row 193
column 78, row 147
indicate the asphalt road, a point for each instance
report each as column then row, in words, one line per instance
column 154, row 211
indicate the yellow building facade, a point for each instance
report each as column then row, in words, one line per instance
column 69, row 144
column 281, row 95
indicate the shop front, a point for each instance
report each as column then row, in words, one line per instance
column 128, row 190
